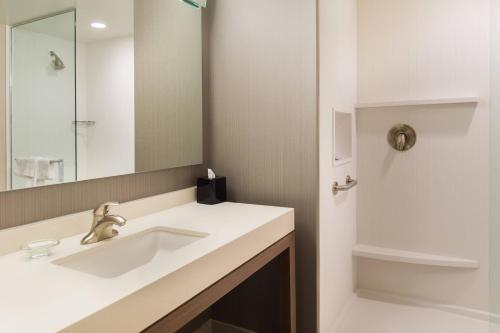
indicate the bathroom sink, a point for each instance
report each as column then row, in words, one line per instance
column 119, row 256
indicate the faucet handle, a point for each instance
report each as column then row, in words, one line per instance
column 103, row 209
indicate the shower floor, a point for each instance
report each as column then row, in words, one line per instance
column 368, row 316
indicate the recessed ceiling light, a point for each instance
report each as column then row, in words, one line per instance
column 98, row 25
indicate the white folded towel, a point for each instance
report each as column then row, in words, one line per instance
column 45, row 169
column 36, row 169
column 25, row 167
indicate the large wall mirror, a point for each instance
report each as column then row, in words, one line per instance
column 98, row 88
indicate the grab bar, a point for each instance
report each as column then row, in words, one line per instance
column 349, row 183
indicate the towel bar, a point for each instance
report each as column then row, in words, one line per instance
column 52, row 161
column 349, row 183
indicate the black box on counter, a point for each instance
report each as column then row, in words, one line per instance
column 211, row 191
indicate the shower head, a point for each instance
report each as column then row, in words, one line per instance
column 57, row 62
column 196, row 3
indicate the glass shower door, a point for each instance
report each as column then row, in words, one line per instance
column 495, row 169
column 43, row 101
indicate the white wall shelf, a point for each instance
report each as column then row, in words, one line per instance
column 341, row 161
column 417, row 258
column 423, row 102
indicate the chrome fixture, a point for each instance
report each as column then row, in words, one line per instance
column 59, row 161
column 84, row 123
column 402, row 137
column 57, row 62
column 196, row 3
column 349, row 184
column 102, row 224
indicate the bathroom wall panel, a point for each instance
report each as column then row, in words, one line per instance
column 495, row 160
column 25, row 206
column 168, row 83
column 263, row 117
column 337, row 221
column 421, row 49
column 110, row 103
column 433, row 198
column 81, row 109
column 3, row 110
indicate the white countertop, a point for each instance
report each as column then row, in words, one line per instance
column 39, row 296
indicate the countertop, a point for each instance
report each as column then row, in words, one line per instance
column 39, row 296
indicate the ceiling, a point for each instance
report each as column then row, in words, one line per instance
column 118, row 15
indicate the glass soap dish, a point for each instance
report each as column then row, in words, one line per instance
column 40, row 248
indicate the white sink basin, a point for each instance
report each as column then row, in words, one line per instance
column 119, row 256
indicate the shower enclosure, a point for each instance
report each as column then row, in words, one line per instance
column 43, row 101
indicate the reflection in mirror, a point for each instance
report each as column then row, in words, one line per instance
column 42, row 101
column 98, row 88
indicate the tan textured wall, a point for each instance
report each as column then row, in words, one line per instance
column 25, row 206
column 168, row 83
column 263, row 117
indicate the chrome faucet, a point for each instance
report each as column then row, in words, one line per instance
column 102, row 224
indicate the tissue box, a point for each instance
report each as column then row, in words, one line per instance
column 211, row 191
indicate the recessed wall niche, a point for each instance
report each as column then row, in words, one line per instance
column 342, row 137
